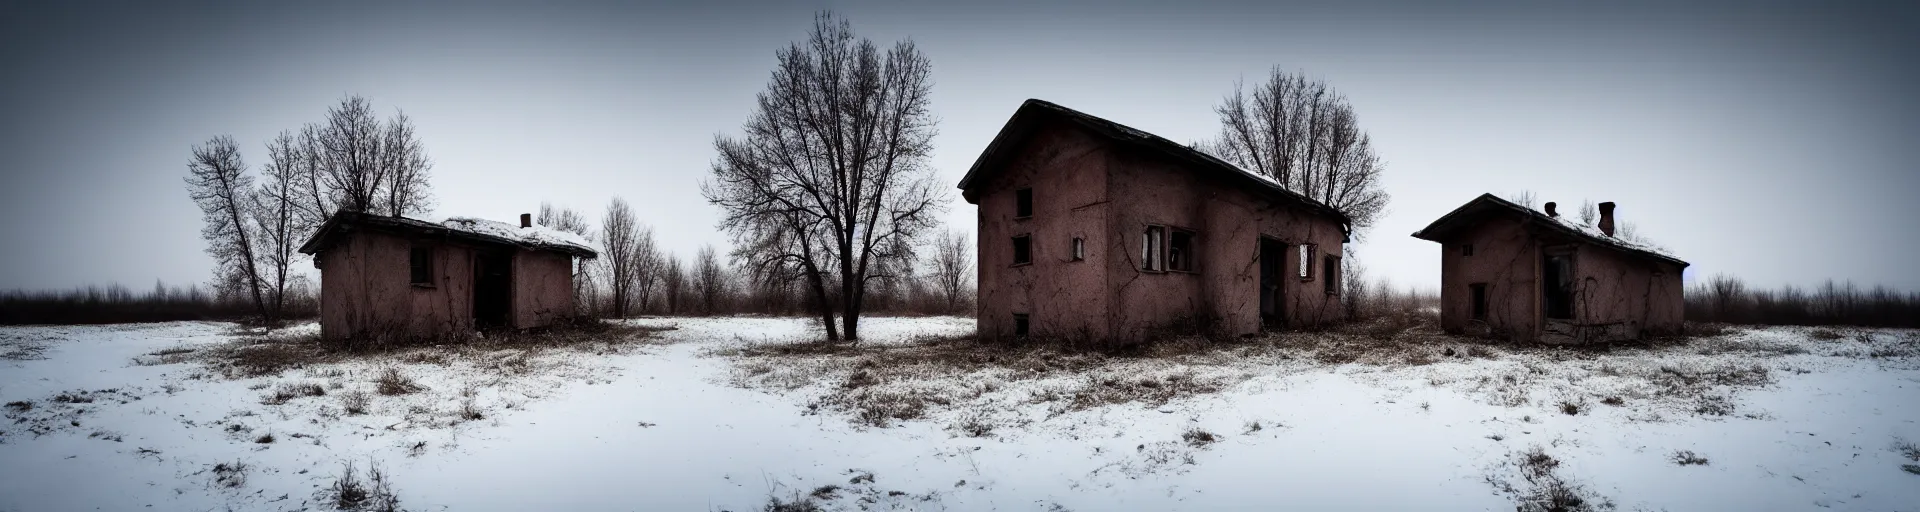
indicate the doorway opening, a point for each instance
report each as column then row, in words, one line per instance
column 1557, row 276
column 492, row 289
column 1273, row 256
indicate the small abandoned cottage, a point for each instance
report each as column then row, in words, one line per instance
column 1094, row 231
column 384, row 275
column 1512, row 272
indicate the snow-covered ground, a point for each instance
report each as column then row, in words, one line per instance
column 127, row 417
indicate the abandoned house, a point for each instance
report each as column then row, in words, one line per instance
column 384, row 275
column 1096, row 232
column 1512, row 272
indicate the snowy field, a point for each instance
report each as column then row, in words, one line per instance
column 727, row 414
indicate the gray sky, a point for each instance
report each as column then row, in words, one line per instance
column 1769, row 140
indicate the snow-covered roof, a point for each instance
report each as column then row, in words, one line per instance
column 1466, row 215
column 532, row 236
column 468, row 228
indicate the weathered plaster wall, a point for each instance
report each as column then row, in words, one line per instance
column 365, row 288
column 542, row 288
column 1062, row 298
column 1506, row 258
column 1228, row 221
column 1631, row 296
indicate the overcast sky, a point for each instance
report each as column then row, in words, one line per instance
column 1772, row 141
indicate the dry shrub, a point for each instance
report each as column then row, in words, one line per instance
column 355, row 402
column 287, row 391
column 349, row 492
column 1542, row 489
column 1688, row 458
column 1198, row 438
column 391, row 382
column 231, row 475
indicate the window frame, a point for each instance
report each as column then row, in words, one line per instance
column 1077, row 249
column 420, row 266
column 1466, row 249
column 1023, row 203
column 1017, row 239
column 1153, row 248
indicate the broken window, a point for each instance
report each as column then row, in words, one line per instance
column 1477, row 293
column 1466, row 250
column 1332, row 275
column 1079, row 249
column 1023, row 203
column 1020, row 324
column 1307, row 252
column 420, row 262
column 1153, row 249
column 1022, row 249
column 1180, row 250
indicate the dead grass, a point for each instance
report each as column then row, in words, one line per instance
column 231, row 475
column 271, row 355
column 355, row 402
column 1198, row 438
column 349, row 492
column 1688, row 458
column 1541, row 488
column 287, row 391
column 391, row 382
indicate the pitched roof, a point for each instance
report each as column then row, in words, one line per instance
column 1034, row 111
column 1471, row 214
column 539, row 238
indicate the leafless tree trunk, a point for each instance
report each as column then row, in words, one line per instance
column 646, row 267
column 403, row 160
column 357, row 163
column 274, row 220
column 1306, row 137
column 952, row 264
column 673, row 283
column 709, row 280
column 831, row 174
column 217, row 181
column 618, row 234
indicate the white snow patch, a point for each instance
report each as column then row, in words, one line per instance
column 536, row 235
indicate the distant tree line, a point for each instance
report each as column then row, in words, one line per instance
column 114, row 304
column 1724, row 298
column 635, row 276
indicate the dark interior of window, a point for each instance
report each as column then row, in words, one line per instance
column 1022, row 249
column 1180, row 251
column 1478, row 291
column 1023, row 203
column 1331, row 275
column 1153, row 249
column 1466, row 250
column 1558, row 274
column 1020, row 324
column 420, row 262
column 1079, row 249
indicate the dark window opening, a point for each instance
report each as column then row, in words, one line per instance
column 1466, row 250
column 1332, row 275
column 1153, row 247
column 1478, row 291
column 1558, row 286
column 420, row 262
column 1020, row 324
column 1022, row 250
column 1180, row 250
column 1079, row 249
column 1023, row 203
column 1307, row 251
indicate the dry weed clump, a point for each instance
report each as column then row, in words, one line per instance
column 1541, row 488
column 272, row 354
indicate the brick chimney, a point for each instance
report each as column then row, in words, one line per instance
column 526, row 219
column 1550, row 212
column 1606, row 218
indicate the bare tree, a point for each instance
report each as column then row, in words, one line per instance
column 646, row 267
column 831, row 175
column 563, row 219
column 709, row 280
column 217, row 181
column 1306, row 137
column 673, row 283
column 1524, row 198
column 618, row 234
column 403, row 161
column 275, row 223
column 1588, row 213
column 952, row 264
